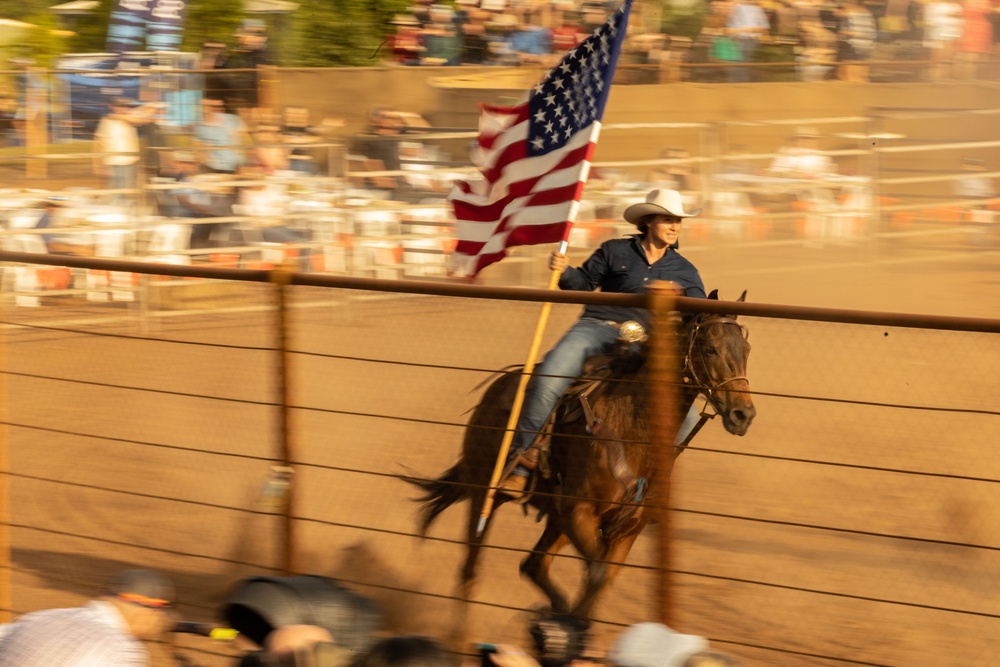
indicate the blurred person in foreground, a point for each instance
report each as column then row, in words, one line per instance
column 656, row 645
column 106, row 632
column 299, row 646
column 406, row 651
column 640, row 645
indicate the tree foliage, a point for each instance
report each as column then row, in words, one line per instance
column 330, row 33
column 211, row 21
column 320, row 33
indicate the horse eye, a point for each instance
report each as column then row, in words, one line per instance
column 710, row 351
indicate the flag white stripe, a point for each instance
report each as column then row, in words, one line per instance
column 527, row 168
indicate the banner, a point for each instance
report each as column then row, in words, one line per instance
column 127, row 26
column 165, row 30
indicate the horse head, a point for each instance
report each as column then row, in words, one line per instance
column 715, row 363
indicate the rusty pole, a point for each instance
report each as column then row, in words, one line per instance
column 6, row 594
column 664, row 395
column 281, row 277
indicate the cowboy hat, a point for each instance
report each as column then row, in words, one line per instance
column 659, row 202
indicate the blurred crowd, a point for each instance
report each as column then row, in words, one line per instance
column 308, row 621
column 826, row 38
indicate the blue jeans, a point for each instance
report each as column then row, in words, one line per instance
column 561, row 367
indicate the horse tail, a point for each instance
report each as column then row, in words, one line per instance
column 439, row 494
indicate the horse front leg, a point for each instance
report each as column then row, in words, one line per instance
column 537, row 564
column 604, row 558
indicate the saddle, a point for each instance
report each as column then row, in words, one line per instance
column 574, row 406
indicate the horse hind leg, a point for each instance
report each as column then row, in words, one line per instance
column 537, row 564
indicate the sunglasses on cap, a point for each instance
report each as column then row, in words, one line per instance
column 144, row 601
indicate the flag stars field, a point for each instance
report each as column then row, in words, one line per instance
column 535, row 157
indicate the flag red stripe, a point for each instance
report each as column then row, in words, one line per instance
column 491, row 212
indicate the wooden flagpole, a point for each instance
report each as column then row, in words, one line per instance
column 515, row 410
column 529, row 364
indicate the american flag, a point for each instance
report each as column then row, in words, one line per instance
column 535, row 157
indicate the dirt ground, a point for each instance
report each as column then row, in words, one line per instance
column 849, row 526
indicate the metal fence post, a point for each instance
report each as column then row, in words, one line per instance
column 5, row 557
column 664, row 395
column 281, row 277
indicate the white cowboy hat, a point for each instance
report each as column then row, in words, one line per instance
column 659, row 202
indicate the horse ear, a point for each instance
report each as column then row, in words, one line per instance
column 714, row 294
column 743, row 297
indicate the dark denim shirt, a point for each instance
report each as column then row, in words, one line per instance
column 620, row 265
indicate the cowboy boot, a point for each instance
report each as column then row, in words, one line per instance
column 529, row 458
column 514, row 486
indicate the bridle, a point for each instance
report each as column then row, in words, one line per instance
column 691, row 377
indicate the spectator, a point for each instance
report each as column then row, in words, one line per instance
column 221, row 136
column 134, row 606
column 212, row 55
column 269, row 152
column 405, row 46
column 942, row 28
column 530, row 43
column 747, row 24
column 297, row 133
column 801, row 158
column 267, row 204
column 976, row 41
column 656, row 645
column 817, row 47
column 567, row 34
column 675, row 175
column 974, row 185
column 380, row 145
column 560, row 639
column 713, row 45
column 785, row 22
column 856, row 34
column 475, row 46
column 641, row 645
column 712, row 659
column 499, row 32
column 116, row 143
column 250, row 52
column 50, row 218
column 406, row 651
column 441, row 41
column 8, row 109
column 148, row 120
column 299, row 646
column 187, row 201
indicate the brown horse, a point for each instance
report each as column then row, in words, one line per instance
column 602, row 467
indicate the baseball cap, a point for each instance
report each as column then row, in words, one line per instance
column 143, row 587
column 654, row 645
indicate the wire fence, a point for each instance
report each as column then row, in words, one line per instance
column 863, row 490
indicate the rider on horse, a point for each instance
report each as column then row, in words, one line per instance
column 626, row 265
